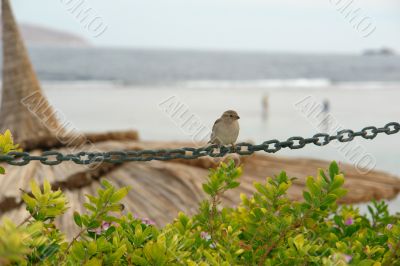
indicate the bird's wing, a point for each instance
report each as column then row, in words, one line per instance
column 216, row 122
column 213, row 133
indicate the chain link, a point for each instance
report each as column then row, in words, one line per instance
column 271, row 146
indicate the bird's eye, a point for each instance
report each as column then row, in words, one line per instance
column 231, row 115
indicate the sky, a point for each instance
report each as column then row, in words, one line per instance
column 310, row 26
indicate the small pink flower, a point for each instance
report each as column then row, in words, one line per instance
column 389, row 226
column 349, row 221
column 103, row 227
column 98, row 231
column 205, row 235
column 390, row 246
column 147, row 221
column 348, row 258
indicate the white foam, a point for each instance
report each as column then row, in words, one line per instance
column 262, row 83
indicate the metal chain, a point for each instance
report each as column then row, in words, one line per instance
column 270, row 146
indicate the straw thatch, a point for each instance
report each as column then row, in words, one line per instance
column 21, row 85
column 160, row 189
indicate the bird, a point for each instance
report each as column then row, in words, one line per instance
column 226, row 129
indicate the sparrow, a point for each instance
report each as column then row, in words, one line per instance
column 226, row 129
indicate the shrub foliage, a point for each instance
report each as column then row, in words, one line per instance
column 7, row 145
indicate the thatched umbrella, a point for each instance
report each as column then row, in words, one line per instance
column 21, row 87
column 160, row 189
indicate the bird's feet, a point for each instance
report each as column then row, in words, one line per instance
column 233, row 147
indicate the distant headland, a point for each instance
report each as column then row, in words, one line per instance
column 382, row 51
column 35, row 35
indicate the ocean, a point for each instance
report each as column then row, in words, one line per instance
column 110, row 89
column 158, row 67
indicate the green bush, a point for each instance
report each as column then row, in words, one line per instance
column 7, row 145
column 265, row 229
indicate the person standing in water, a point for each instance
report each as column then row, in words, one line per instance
column 325, row 106
column 325, row 115
column 265, row 105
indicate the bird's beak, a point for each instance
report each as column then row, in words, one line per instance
column 237, row 117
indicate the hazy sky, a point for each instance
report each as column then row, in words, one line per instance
column 267, row 25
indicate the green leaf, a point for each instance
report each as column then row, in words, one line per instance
column 35, row 189
column 339, row 192
column 307, row 196
column 207, row 189
column 322, row 174
column 338, row 220
column 119, row 195
column 94, row 262
column 283, row 187
column 78, row 251
column 351, row 229
column 91, row 248
column 210, row 258
column 329, row 199
column 233, row 185
column 92, row 199
column 137, row 260
column 46, row 187
column 89, row 207
column 29, row 201
column 366, row 262
column 312, row 186
column 94, row 224
column 333, row 170
column 2, row 171
column 48, row 251
column 261, row 188
column 106, row 184
column 371, row 210
column 299, row 241
column 138, row 230
column 85, row 220
column 77, row 219
column 118, row 253
column 282, row 177
column 110, row 231
column 338, row 181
